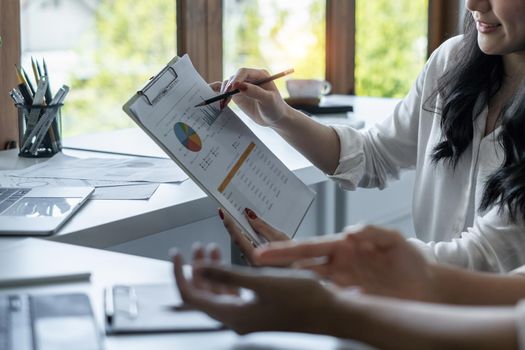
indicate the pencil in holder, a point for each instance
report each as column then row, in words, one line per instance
column 40, row 130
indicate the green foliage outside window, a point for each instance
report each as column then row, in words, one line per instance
column 391, row 45
column 132, row 44
column 291, row 35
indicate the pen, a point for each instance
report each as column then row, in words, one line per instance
column 49, row 95
column 38, row 69
column 19, row 75
column 109, row 305
column 236, row 91
column 29, row 281
column 26, row 94
column 26, row 90
column 53, row 130
column 35, row 72
column 28, row 81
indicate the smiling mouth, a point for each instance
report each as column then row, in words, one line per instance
column 484, row 27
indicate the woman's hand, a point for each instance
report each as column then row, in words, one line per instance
column 259, row 226
column 283, row 300
column 379, row 261
column 262, row 103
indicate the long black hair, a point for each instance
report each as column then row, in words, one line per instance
column 465, row 89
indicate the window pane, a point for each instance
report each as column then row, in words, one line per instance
column 102, row 49
column 275, row 35
column 391, row 44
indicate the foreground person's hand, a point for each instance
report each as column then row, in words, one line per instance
column 283, row 300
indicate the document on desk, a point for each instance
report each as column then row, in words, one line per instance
column 106, row 169
column 104, row 189
column 217, row 150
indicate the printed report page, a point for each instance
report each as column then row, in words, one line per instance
column 220, row 152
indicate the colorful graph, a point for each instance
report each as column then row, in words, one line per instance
column 188, row 137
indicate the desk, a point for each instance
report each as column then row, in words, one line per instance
column 172, row 210
column 35, row 256
column 175, row 211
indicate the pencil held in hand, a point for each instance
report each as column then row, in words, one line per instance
column 236, row 91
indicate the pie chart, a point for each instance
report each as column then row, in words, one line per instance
column 187, row 136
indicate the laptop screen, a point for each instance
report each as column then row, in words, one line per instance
column 42, row 207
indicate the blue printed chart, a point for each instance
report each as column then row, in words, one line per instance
column 187, row 136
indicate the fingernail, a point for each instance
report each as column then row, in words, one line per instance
column 242, row 86
column 173, row 252
column 221, row 214
column 196, row 246
column 250, row 213
column 211, row 247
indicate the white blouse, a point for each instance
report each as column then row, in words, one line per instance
column 446, row 200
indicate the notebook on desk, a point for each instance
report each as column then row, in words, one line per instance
column 38, row 211
column 152, row 308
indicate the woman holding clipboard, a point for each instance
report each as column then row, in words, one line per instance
column 461, row 128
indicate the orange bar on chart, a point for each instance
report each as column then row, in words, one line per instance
column 236, row 167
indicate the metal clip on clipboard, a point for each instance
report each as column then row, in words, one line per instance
column 159, row 85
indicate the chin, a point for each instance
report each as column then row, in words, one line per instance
column 489, row 48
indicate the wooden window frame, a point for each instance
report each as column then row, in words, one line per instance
column 340, row 45
column 199, row 33
column 9, row 56
column 443, row 22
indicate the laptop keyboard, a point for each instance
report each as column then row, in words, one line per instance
column 15, row 323
column 21, row 315
column 9, row 196
column 4, row 323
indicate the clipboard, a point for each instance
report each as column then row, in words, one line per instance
column 178, row 81
column 152, row 308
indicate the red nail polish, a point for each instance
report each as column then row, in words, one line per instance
column 251, row 214
column 221, row 214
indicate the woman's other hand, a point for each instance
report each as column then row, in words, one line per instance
column 378, row 261
column 259, row 225
column 263, row 103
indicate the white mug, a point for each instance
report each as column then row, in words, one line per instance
column 312, row 88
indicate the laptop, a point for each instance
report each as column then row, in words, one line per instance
column 48, row 322
column 39, row 211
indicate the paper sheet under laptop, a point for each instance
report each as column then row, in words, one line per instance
column 217, row 150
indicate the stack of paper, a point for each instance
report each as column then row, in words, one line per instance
column 114, row 178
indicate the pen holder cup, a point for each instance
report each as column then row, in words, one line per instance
column 40, row 130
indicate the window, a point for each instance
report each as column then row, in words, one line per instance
column 275, row 35
column 102, row 49
column 391, row 45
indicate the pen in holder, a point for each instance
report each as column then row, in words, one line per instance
column 38, row 112
column 40, row 130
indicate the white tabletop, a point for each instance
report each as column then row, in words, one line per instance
column 105, row 223
column 36, row 257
